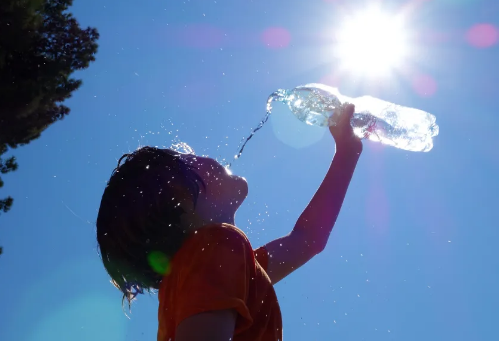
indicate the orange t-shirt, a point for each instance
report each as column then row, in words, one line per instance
column 215, row 269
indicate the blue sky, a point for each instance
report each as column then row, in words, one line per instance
column 413, row 254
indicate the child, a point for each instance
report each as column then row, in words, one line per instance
column 166, row 222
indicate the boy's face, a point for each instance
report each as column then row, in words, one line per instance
column 224, row 192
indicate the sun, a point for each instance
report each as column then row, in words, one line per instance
column 372, row 43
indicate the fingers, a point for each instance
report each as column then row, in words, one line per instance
column 348, row 110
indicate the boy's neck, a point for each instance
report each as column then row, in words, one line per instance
column 196, row 222
column 219, row 219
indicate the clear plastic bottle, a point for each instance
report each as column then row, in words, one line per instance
column 374, row 119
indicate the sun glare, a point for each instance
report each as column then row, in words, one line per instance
column 372, row 43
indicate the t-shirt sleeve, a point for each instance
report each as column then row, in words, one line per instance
column 262, row 257
column 216, row 277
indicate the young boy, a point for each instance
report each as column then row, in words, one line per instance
column 166, row 222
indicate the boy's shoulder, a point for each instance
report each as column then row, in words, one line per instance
column 220, row 233
column 214, row 243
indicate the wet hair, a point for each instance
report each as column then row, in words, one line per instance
column 138, row 224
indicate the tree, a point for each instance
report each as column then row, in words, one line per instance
column 5, row 167
column 41, row 45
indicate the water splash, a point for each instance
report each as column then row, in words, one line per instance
column 182, row 148
column 278, row 96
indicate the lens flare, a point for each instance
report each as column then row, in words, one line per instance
column 159, row 262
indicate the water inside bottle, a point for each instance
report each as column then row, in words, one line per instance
column 394, row 125
column 374, row 119
column 313, row 104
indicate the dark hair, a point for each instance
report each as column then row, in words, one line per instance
column 138, row 224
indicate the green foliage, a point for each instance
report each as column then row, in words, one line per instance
column 41, row 45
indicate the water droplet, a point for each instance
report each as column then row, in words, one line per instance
column 182, row 148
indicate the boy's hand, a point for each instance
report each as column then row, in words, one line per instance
column 343, row 133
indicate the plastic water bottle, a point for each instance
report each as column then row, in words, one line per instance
column 374, row 119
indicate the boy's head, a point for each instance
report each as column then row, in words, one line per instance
column 151, row 203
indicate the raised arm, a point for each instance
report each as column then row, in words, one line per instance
column 311, row 231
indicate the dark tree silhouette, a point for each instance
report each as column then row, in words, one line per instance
column 41, row 45
column 8, row 166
